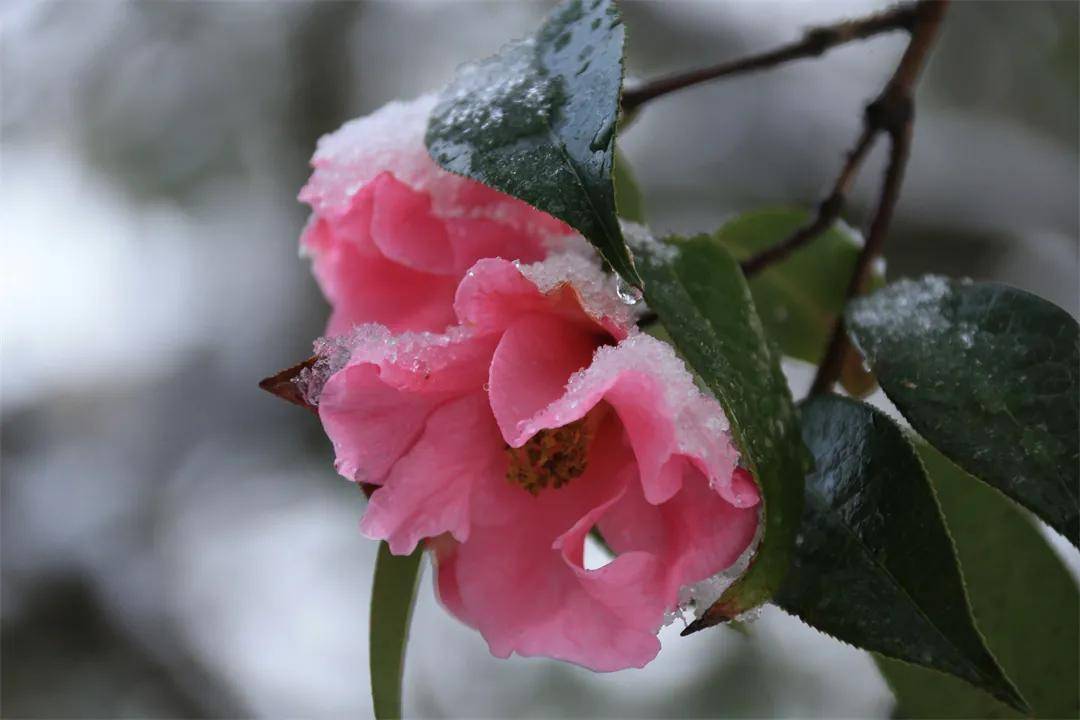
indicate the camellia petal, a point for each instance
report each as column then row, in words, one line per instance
column 370, row 423
column 391, row 233
column 532, row 363
column 522, row 584
column 693, row 533
column 428, row 490
column 404, row 229
column 668, row 419
column 379, row 390
column 495, row 292
column 366, row 287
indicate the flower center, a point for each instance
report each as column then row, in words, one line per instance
column 551, row 458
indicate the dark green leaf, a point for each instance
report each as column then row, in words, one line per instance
column 698, row 291
column 800, row 297
column 392, row 596
column 1026, row 603
column 538, row 121
column 874, row 564
column 988, row 375
column 628, row 198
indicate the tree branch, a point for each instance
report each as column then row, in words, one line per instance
column 892, row 112
column 813, row 44
column 828, row 210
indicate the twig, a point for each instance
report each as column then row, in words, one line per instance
column 828, row 210
column 813, row 44
column 892, row 111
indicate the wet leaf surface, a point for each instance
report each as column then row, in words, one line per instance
column 537, row 121
column 698, row 291
column 875, row 566
column 1025, row 601
column 628, row 198
column 987, row 374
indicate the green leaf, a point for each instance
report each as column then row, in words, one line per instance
column 875, row 566
column 537, row 121
column 699, row 294
column 800, row 297
column 392, row 597
column 628, row 197
column 1023, row 597
column 988, row 375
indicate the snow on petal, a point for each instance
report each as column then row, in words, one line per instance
column 535, row 357
column 392, row 233
column 669, row 420
column 495, row 292
column 696, row 534
column 374, row 390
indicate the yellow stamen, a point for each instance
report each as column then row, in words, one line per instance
column 551, row 458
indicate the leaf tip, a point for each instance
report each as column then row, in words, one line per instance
column 281, row 384
column 720, row 612
column 1012, row 697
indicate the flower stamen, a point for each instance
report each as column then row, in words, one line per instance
column 551, row 457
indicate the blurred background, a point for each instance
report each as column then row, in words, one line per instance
column 176, row 543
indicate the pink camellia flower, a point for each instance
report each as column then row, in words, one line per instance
column 504, row 440
column 392, row 234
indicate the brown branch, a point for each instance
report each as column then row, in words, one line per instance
column 813, row 44
column 828, row 210
column 893, row 112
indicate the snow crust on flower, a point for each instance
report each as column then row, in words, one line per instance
column 496, row 292
column 694, row 599
column 701, row 428
column 576, row 266
column 391, row 139
column 571, row 243
column 580, row 268
column 418, row 353
column 391, row 233
column 354, row 154
column 641, row 240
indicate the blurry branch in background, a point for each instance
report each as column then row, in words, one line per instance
column 828, row 211
column 879, row 116
column 893, row 112
column 814, row 43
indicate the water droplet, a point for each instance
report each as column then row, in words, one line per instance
column 628, row 294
